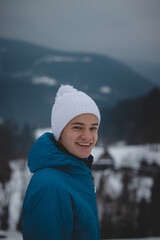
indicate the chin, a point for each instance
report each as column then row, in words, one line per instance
column 83, row 155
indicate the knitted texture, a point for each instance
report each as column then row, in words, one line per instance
column 69, row 103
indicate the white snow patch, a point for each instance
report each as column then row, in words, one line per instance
column 13, row 192
column 97, row 177
column 16, row 189
column 97, row 151
column 44, row 80
column 131, row 156
column 39, row 131
column 105, row 89
column 114, row 186
column 59, row 59
column 143, row 186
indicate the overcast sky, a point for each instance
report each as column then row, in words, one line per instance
column 123, row 29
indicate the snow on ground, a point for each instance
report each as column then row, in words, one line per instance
column 13, row 193
column 143, row 188
column 16, row 188
column 130, row 155
column 10, row 235
column 114, row 186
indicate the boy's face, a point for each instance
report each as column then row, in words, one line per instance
column 80, row 135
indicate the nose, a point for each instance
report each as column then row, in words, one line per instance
column 86, row 135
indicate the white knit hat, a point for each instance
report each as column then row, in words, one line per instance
column 69, row 103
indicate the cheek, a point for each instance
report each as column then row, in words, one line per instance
column 67, row 139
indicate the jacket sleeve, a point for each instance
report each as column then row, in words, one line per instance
column 47, row 214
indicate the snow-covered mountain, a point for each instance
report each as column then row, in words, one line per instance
column 30, row 76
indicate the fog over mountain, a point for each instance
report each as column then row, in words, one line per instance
column 123, row 29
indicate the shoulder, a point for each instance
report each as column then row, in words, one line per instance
column 48, row 175
column 47, row 179
column 46, row 186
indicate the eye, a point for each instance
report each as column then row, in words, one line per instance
column 77, row 127
column 94, row 128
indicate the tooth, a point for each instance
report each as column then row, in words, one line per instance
column 84, row 144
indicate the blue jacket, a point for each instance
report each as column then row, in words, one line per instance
column 60, row 202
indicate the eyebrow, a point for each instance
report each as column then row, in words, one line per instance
column 79, row 123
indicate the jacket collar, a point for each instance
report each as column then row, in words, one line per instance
column 45, row 152
column 88, row 161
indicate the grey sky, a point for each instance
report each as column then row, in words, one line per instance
column 123, row 29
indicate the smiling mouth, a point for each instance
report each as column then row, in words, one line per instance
column 84, row 144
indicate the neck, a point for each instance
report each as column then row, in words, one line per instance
column 88, row 161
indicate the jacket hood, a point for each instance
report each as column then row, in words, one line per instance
column 44, row 153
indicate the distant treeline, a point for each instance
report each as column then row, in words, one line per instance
column 15, row 142
column 135, row 121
